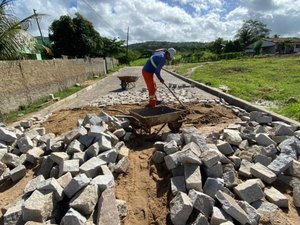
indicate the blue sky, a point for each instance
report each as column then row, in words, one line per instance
column 72, row 4
column 168, row 20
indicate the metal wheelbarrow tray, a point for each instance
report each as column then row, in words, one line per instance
column 148, row 117
column 126, row 81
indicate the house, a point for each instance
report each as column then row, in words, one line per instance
column 286, row 45
column 267, row 47
column 44, row 45
column 276, row 45
column 29, row 45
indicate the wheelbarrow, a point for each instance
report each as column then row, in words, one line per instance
column 128, row 81
column 145, row 118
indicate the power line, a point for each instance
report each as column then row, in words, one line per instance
column 108, row 25
column 127, row 45
column 34, row 11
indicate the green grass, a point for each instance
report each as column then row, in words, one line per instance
column 255, row 79
column 23, row 110
column 68, row 92
column 116, row 68
column 39, row 104
column 290, row 110
column 138, row 62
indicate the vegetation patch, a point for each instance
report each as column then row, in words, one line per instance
column 39, row 104
column 254, row 79
column 289, row 110
column 236, row 69
column 138, row 62
column 23, row 110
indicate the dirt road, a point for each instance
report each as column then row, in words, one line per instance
column 146, row 187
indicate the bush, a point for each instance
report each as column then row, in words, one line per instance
column 209, row 56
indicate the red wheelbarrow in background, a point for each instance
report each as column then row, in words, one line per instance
column 128, row 81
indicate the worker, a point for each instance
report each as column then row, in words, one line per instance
column 153, row 66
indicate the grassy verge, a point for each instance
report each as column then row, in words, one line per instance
column 68, row 92
column 272, row 81
column 23, row 110
column 138, row 62
column 39, row 104
column 116, row 68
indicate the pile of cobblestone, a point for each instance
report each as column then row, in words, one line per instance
column 224, row 178
column 228, row 178
column 75, row 181
column 184, row 92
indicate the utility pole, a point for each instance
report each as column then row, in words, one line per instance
column 127, row 46
column 34, row 11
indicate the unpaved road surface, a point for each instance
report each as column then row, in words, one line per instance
column 146, row 186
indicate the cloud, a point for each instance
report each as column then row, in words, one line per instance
column 52, row 9
column 286, row 26
column 259, row 5
column 238, row 14
column 281, row 16
column 168, row 20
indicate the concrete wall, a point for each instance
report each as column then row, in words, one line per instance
column 111, row 63
column 297, row 47
column 25, row 81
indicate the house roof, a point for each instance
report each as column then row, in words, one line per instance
column 279, row 40
column 265, row 44
column 46, row 40
column 27, row 41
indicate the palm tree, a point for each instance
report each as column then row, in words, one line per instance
column 13, row 37
column 251, row 31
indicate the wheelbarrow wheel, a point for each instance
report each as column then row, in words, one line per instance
column 124, row 84
column 174, row 126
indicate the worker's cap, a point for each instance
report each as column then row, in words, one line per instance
column 172, row 53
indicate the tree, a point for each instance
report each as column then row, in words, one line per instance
column 216, row 46
column 251, row 31
column 131, row 56
column 62, row 34
column 257, row 46
column 89, row 39
column 232, row 46
column 75, row 37
column 112, row 47
column 13, row 38
column 285, row 47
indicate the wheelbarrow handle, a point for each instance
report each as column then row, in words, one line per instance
column 175, row 96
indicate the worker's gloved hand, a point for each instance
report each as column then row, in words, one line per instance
column 162, row 81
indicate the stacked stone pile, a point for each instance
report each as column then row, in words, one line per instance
column 224, row 178
column 71, row 165
column 75, row 181
column 184, row 92
column 229, row 177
